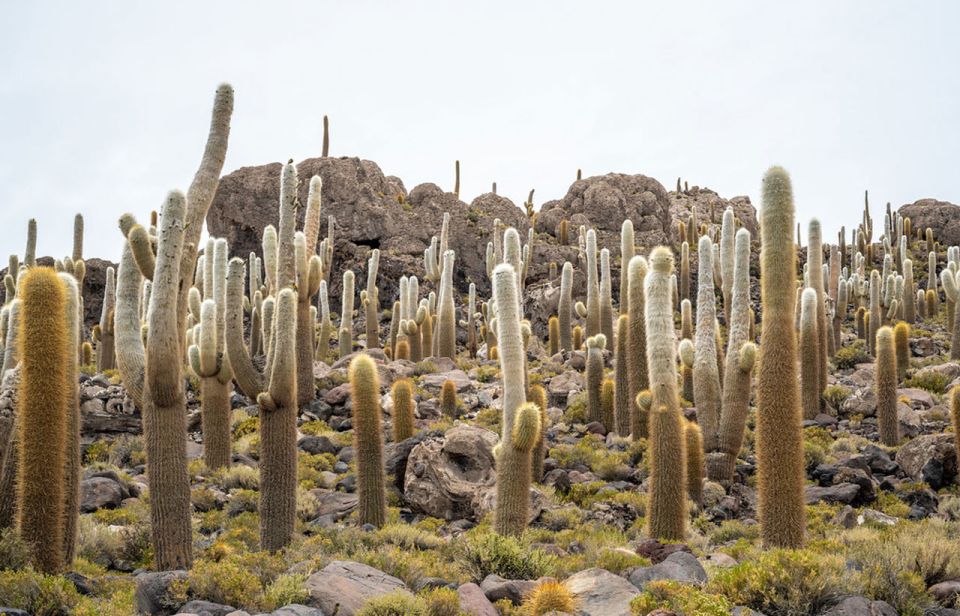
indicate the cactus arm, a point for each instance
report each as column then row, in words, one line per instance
column 248, row 378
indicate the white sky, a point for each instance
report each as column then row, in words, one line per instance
column 104, row 106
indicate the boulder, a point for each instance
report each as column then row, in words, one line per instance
column 861, row 606
column 206, row 608
column 931, row 458
column 679, row 566
column 496, row 588
column 845, row 493
column 601, row 593
column 100, row 493
column 444, row 474
column 708, row 207
column 343, row 587
column 153, row 594
column 473, row 602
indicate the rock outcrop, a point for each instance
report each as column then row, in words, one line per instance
column 941, row 216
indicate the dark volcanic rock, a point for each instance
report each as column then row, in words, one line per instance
column 371, row 211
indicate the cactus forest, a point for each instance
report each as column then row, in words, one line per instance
column 681, row 405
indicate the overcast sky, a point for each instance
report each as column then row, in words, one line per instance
column 104, row 106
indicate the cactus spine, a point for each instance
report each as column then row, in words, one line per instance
column 403, row 409
column 637, row 343
column 666, row 511
column 521, row 421
column 565, row 307
column 43, row 399
column 779, row 433
column 368, row 440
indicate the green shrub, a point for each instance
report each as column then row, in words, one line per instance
column 851, row 355
column 286, row 589
column 835, row 395
column 397, row 603
column 784, row 582
column 484, row 552
column 679, row 598
column 237, row 476
column 934, row 382
column 732, row 530
column 14, row 553
column 441, row 602
column 38, row 594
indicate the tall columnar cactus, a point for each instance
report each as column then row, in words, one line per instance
column 687, row 355
column 722, row 448
column 694, row 447
column 624, row 401
column 371, row 301
column 326, row 325
column 876, row 316
column 44, row 396
column 779, row 432
column 595, row 348
column 666, row 511
column 106, row 353
column 345, row 338
column 686, row 319
column 471, row 324
column 706, row 377
column 815, row 262
column 637, row 342
column 593, row 286
column 955, row 418
column 553, row 336
column 950, row 279
column 11, row 351
column 368, row 440
column 684, row 271
column 909, row 292
column 606, row 302
column 403, row 409
column 727, row 231
column 447, row 321
column 565, row 308
column 209, row 362
column 538, row 395
column 30, row 254
column 809, row 349
column 901, row 338
column 521, row 421
column 886, row 385
column 627, row 252
column 309, row 274
column 608, row 404
column 72, row 465
column 151, row 369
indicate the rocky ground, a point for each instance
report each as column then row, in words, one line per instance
column 883, row 524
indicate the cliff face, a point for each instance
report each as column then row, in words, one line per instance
column 941, row 216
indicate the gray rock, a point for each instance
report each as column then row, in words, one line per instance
column 941, row 216
column 840, row 493
column 343, row 587
column 601, row 593
column 434, row 381
column 946, row 593
column 861, row 606
column 206, row 608
column 495, row 588
column 474, row 602
column 296, row 609
column 152, row 594
column 679, row 566
column 931, row 458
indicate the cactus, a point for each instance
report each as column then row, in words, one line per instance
column 426, row 334
column 456, row 181
column 593, row 287
column 11, row 351
column 624, row 401
column 553, row 336
column 471, row 324
column 608, row 405
column 901, row 337
column 563, row 235
column 325, row 151
column 606, row 302
column 694, row 448
column 706, row 377
column 323, row 338
column 627, row 252
column 106, row 353
column 368, row 441
column 595, row 347
column 403, row 350
column 687, row 359
column 861, row 322
column 931, row 303
column 909, row 297
column 955, row 418
column 886, row 386
column 577, row 340
column 44, row 395
column 446, row 322
column 403, row 409
column 779, row 432
column 72, row 466
column 538, row 395
column 30, row 254
column 345, row 335
column 371, row 302
column 815, row 262
column 876, row 317
column 448, row 399
column 809, row 349
column 727, row 231
column 684, row 270
column 565, row 307
column 521, row 420
column 637, row 342
column 666, row 511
